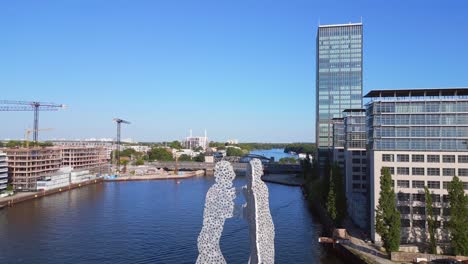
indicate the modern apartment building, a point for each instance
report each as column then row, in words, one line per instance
column 27, row 165
column 338, row 80
column 421, row 135
column 3, row 171
column 355, row 156
column 192, row 142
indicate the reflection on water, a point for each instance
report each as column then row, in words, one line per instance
column 146, row 222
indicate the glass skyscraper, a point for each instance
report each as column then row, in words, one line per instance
column 339, row 79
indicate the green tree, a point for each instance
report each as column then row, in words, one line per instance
column 45, row 144
column 387, row 216
column 430, row 221
column 184, row 157
column 230, row 151
column 457, row 223
column 199, row 158
column 175, row 145
column 139, row 162
column 160, row 154
column 340, row 193
column 331, row 200
column 13, row 144
column 287, row 160
column 198, row 149
column 9, row 187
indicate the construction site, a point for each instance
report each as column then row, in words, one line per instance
column 29, row 164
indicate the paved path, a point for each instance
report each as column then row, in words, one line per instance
column 359, row 247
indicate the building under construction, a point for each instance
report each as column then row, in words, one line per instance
column 27, row 165
column 83, row 157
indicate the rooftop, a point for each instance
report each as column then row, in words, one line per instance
column 340, row 25
column 455, row 91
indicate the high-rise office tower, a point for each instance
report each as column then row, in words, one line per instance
column 339, row 80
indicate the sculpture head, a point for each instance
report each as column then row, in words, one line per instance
column 254, row 172
column 224, row 173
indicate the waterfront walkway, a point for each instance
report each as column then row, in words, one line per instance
column 365, row 251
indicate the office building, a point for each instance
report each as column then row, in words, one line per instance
column 338, row 80
column 421, row 135
column 338, row 142
column 355, row 156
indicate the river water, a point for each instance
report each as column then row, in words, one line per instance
column 147, row 222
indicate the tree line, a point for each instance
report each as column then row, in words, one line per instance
column 388, row 223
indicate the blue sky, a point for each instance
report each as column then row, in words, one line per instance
column 241, row 69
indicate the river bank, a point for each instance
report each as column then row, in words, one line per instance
column 149, row 177
column 285, row 179
column 26, row 196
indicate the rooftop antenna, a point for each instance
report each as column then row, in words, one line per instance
column 190, row 132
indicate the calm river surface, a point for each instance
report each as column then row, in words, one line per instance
column 147, row 222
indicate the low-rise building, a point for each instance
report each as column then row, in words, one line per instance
column 64, row 177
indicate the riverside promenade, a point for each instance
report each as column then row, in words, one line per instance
column 26, row 196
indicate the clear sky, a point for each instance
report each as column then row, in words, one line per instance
column 241, row 69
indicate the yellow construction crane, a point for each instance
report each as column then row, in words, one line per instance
column 29, row 131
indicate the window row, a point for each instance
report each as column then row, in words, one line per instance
column 430, row 184
column 421, row 158
column 418, row 144
column 420, row 107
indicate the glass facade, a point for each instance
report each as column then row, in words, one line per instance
column 355, row 129
column 418, row 124
column 339, row 79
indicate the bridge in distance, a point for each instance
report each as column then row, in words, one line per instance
column 268, row 168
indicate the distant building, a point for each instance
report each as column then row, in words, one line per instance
column 192, row 142
column 232, row 141
column 338, row 80
column 421, row 135
column 137, row 148
column 3, row 171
